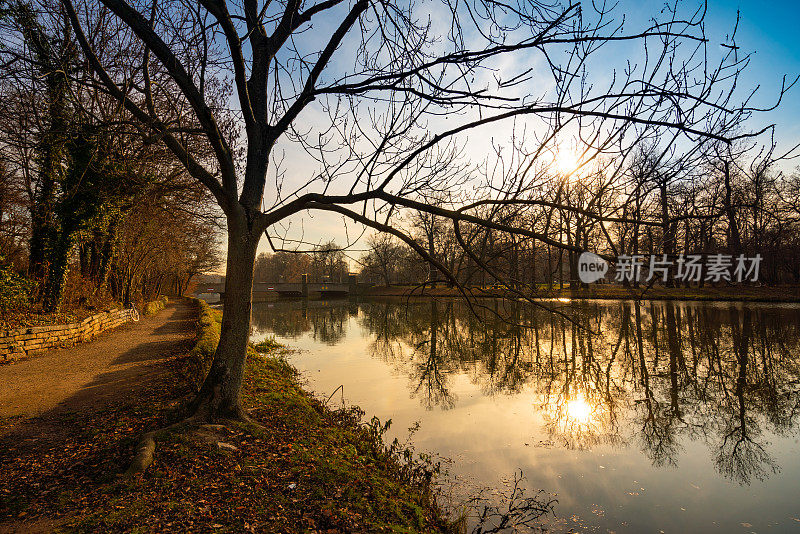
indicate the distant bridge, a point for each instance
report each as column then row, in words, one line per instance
column 269, row 291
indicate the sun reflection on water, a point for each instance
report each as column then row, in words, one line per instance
column 579, row 410
column 577, row 421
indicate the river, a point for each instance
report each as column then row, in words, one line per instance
column 635, row 417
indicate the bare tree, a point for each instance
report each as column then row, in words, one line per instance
column 382, row 98
column 78, row 159
column 13, row 220
column 383, row 260
column 328, row 263
column 281, row 267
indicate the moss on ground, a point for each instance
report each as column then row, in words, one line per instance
column 208, row 330
column 155, row 306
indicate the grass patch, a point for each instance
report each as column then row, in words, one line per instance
column 208, row 330
column 338, row 465
column 267, row 345
column 155, row 306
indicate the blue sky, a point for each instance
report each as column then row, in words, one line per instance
column 768, row 29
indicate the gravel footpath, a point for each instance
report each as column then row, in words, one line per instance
column 91, row 372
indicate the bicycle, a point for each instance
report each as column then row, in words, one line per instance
column 134, row 313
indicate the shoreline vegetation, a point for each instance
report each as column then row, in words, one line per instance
column 781, row 293
column 333, row 472
column 300, row 466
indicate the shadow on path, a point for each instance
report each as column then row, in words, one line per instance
column 46, row 403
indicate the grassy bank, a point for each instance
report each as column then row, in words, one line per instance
column 154, row 306
column 305, row 469
column 786, row 293
column 208, row 329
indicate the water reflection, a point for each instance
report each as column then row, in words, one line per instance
column 643, row 375
column 325, row 321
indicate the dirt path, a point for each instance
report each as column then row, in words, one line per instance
column 90, row 373
column 66, row 416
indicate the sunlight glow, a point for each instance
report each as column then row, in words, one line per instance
column 579, row 410
column 566, row 162
column 577, row 421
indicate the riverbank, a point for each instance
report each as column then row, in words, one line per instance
column 785, row 293
column 308, row 469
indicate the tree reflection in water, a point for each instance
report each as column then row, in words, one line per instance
column 653, row 373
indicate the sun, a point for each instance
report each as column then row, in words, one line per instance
column 566, row 162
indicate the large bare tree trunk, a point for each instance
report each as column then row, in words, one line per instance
column 219, row 396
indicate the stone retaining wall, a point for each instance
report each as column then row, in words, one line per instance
column 15, row 344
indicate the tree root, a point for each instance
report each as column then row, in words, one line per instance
column 147, row 444
column 144, row 455
column 147, row 447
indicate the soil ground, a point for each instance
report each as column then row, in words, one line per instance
column 89, row 373
column 46, row 400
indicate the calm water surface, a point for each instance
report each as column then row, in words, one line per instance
column 651, row 417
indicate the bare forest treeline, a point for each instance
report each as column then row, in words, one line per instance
column 90, row 207
column 326, row 263
column 733, row 200
column 90, row 198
